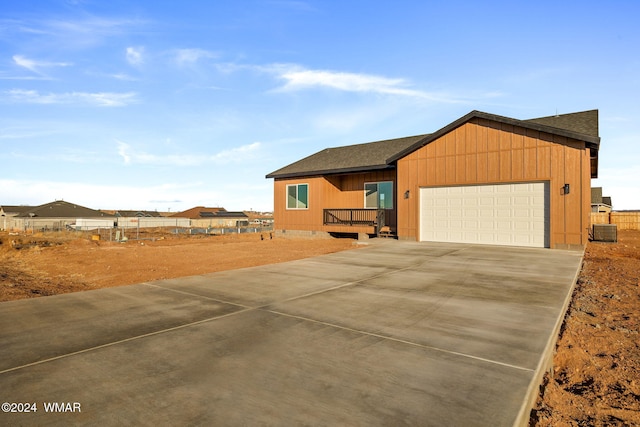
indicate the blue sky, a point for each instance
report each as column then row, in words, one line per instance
column 168, row 105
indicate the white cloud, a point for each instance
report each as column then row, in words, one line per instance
column 36, row 66
column 235, row 155
column 297, row 78
column 186, row 57
column 102, row 99
column 81, row 33
column 123, row 77
column 135, row 55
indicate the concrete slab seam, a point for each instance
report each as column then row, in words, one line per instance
column 151, row 284
column 333, row 288
column 244, row 309
column 386, row 337
column 98, row 347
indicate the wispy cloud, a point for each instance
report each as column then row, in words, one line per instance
column 187, row 57
column 36, row 66
column 102, row 99
column 234, row 155
column 297, row 78
column 135, row 55
column 80, row 33
column 123, row 77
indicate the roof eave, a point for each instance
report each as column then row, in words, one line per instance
column 330, row 171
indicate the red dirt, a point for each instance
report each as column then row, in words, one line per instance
column 596, row 368
column 53, row 264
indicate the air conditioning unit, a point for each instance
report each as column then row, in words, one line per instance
column 605, row 232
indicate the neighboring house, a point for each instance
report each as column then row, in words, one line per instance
column 203, row 217
column 600, row 203
column 483, row 178
column 53, row 216
column 137, row 214
column 8, row 212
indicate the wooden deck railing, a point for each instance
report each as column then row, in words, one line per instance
column 353, row 217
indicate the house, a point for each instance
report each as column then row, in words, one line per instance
column 7, row 212
column 203, row 217
column 56, row 215
column 600, row 203
column 483, row 178
column 137, row 214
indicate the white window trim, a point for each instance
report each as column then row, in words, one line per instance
column 378, row 184
column 286, row 203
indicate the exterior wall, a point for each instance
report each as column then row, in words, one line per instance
column 486, row 152
column 38, row 224
column 325, row 192
column 217, row 222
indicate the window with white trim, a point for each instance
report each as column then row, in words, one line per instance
column 378, row 195
column 298, row 196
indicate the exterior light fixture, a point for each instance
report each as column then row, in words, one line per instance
column 565, row 189
column 406, row 194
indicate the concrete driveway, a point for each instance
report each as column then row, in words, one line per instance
column 393, row 333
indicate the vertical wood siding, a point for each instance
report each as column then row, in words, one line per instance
column 330, row 192
column 486, row 152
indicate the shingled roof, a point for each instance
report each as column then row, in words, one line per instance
column 198, row 212
column 12, row 210
column 61, row 209
column 585, row 122
column 378, row 155
column 351, row 158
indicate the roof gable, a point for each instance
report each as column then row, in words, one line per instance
column 593, row 141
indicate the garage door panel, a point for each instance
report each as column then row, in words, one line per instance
column 503, row 214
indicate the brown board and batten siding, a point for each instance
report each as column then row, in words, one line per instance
column 326, row 192
column 482, row 151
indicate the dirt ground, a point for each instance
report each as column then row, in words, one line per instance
column 596, row 374
column 54, row 263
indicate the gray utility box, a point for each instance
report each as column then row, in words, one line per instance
column 605, row 232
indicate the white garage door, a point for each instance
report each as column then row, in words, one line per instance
column 499, row 214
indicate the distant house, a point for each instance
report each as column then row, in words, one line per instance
column 7, row 212
column 137, row 214
column 600, row 203
column 483, row 178
column 55, row 215
column 204, row 217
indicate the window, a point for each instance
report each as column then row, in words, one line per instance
column 378, row 195
column 298, row 196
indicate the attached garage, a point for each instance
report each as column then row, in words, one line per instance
column 484, row 179
column 514, row 214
